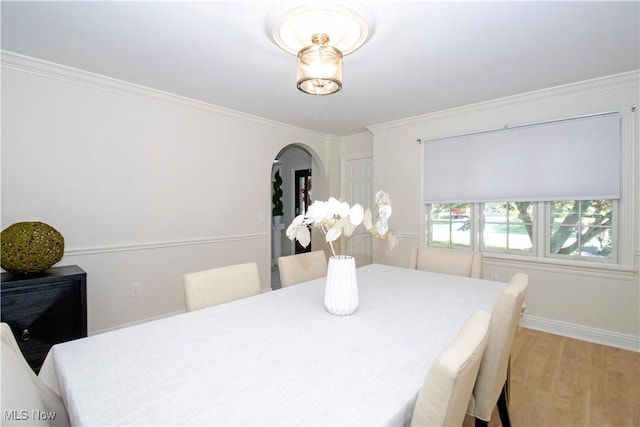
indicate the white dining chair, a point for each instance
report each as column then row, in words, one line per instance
column 299, row 268
column 445, row 393
column 458, row 262
column 491, row 385
column 219, row 285
column 24, row 395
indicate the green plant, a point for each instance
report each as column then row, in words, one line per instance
column 277, row 195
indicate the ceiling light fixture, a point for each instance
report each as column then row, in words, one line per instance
column 319, row 67
column 333, row 29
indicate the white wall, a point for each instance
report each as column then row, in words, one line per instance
column 143, row 185
column 355, row 147
column 146, row 186
column 598, row 304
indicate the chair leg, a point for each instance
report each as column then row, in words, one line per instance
column 503, row 407
column 508, row 382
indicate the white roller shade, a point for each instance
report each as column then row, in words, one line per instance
column 564, row 160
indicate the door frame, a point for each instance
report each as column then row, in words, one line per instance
column 344, row 186
column 297, row 174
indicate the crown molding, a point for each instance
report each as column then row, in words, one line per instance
column 17, row 62
column 616, row 81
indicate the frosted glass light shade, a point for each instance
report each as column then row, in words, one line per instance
column 319, row 70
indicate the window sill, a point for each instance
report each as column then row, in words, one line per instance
column 584, row 268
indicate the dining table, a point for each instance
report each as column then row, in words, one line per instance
column 274, row 359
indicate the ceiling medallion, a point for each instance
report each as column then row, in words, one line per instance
column 320, row 34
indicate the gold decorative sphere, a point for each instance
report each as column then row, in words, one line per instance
column 30, row 247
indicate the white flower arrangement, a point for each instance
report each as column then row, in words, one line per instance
column 337, row 219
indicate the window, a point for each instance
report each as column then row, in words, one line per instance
column 573, row 229
column 450, row 224
column 581, row 228
column 529, row 162
column 521, row 184
column 508, row 227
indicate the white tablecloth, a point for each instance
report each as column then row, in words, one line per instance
column 274, row 359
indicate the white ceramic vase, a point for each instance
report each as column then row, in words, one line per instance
column 341, row 291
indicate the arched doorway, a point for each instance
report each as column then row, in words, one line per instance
column 300, row 173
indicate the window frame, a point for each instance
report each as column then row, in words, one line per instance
column 428, row 237
column 541, row 250
column 534, row 241
column 615, row 214
column 624, row 253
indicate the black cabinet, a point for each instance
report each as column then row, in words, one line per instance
column 44, row 309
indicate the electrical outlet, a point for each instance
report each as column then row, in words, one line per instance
column 136, row 289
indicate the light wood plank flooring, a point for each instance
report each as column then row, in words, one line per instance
column 559, row 381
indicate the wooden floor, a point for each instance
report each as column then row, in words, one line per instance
column 558, row 381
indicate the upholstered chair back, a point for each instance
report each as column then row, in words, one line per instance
column 220, row 285
column 445, row 393
column 302, row 267
column 448, row 261
column 505, row 319
column 23, row 394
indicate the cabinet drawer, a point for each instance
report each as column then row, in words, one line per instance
column 43, row 314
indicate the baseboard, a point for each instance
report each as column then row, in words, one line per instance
column 598, row 336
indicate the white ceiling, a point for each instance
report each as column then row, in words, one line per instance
column 424, row 56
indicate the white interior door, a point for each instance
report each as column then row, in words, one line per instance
column 359, row 174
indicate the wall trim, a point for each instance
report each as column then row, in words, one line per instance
column 405, row 235
column 594, row 335
column 166, row 244
column 27, row 64
column 552, row 266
